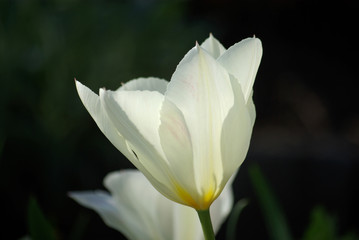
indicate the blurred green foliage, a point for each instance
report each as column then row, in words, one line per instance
column 39, row 226
column 231, row 233
column 44, row 45
column 322, row 226
column 276, row 222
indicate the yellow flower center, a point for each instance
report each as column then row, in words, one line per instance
column 203, row 204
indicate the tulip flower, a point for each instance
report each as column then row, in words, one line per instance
column 187, row 136
column 140, row 212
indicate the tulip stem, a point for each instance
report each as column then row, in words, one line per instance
column 205, row 219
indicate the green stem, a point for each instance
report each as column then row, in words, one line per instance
column 205, row 219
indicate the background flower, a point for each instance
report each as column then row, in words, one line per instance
column 140, row 212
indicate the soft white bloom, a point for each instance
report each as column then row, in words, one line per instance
column 190, row 135
column 140, row 212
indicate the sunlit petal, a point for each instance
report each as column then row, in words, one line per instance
column 242, row 61
column 251, row 108
column 93, row 105
column 236, row 133
column 213, row 46
column 176, row 144
column 138, row 123
column 201, row 90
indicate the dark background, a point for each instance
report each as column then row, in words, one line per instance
column 305, row 138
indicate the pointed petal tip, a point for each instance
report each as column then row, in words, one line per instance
column 76, row 81
column 198, row 48
column 254, row 38
column 253, row 43
column 212, row 37
column 80, row 87
column 102, row 91
column 257, row 40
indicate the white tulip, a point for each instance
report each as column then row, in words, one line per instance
column 140, row 212
column 190, row 135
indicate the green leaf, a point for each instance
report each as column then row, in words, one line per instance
column 39, row 227
column 321, row 227
column 233, row 219
column 273, row 214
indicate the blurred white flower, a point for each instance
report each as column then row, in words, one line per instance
column 190, row 135
column 140, row 212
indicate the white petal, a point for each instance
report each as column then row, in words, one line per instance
column 242, row 61
column 201, row 90
column 136, row 114
column 236, row 134
column 213, row 46
column 251, row 108
column 150, row 84
column 105, row 206
column 187, row 224
column 93, row 105
column 141, row 204
column 176, row 144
